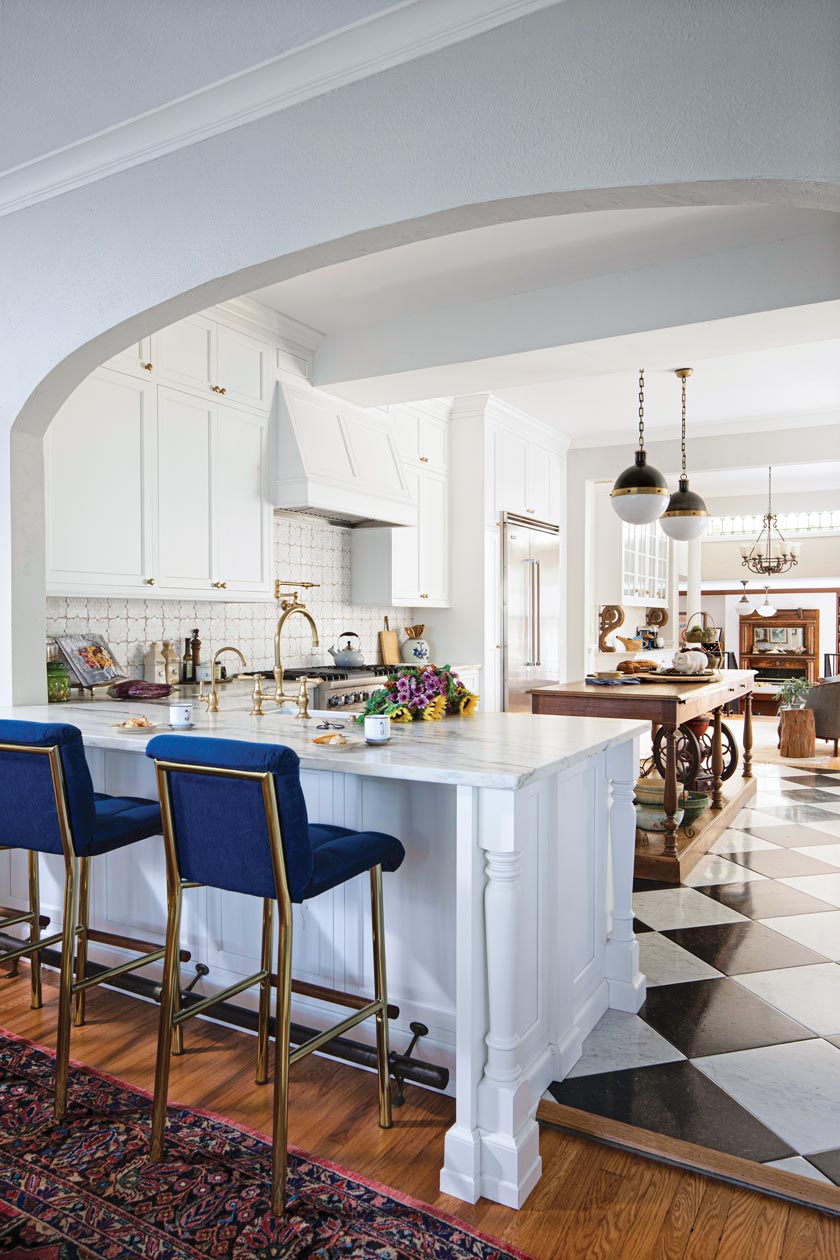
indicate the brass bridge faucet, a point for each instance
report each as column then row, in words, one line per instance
column 291, row 605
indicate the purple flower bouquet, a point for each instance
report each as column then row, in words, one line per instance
column 430, row 693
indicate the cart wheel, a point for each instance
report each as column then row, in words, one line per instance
column 731, row 755
column 687, row 750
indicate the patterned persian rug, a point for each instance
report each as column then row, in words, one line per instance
column 84, row 1189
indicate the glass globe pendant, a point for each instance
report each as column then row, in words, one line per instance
column 744, row 607
column 640, row 493
column 686, row 515
column 766, row 609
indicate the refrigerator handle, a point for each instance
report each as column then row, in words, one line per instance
column 532, row 609
column 537, row 579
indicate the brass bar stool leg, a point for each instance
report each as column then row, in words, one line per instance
column 265, row 992
column 280, row 1133
column 82, row 940
column 167, row 1010
column 65, row 991
column 381, row 994
column 34, row 931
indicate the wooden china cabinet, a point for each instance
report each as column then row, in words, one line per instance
column 780, row 648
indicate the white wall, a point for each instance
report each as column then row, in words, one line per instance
column 506, row 126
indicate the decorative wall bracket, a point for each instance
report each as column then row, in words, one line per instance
column 610, row 617
column 657, row 617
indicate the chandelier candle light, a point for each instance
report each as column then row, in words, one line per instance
column 686, row 515
column 770, row 554
column 640, row 493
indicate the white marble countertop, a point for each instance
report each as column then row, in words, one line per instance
column 503, row 750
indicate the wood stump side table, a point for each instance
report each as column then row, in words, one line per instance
column 797, row 733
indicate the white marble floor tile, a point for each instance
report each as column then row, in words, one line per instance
column 681, row 907
column 620, row 1040
column 665, row 962
column 755, row 818
column 828, row 826
column 831, row 806
column 822, row 852
column 823, row 887
column 818, row 931
column 793, row 1088
column 796, row 1164
column 713, row 869
column 810, row 995
column 734, row 841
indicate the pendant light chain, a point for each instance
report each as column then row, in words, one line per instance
column 683, row 425
column 641, row 409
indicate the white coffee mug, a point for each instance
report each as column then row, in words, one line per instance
column 180, row 714
column 377, row 729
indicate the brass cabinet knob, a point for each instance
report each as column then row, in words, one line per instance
column 150, row 581
column 424, row 597
column 148, row 366
column 424, row 459
column 220, row 586
column 217, row 389
column 531, row 511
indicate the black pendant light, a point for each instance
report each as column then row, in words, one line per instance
column 686, row 515
column 640, row 493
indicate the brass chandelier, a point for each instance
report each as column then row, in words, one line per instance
column 770, row 554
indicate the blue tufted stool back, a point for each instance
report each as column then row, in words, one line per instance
column 28, row 815
column 219, row 822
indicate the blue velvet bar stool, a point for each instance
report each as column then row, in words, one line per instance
column 234, row 818
column 48, row 805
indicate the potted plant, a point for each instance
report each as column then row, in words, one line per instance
column 792, row 693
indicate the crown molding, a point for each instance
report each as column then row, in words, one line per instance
column 290, row 331
column 411, row 29
column 506, row 416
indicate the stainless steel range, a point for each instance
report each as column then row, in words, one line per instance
column 343, row 687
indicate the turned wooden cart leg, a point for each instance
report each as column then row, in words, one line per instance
column 671, row 792
column 717, row 761
column 748, row 736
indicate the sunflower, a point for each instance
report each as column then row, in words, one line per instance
column 435, row 709
column 402, row 714
column 468, row 704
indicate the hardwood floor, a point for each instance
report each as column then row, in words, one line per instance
column 594, row 1201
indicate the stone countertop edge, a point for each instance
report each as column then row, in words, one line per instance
column 500, row 761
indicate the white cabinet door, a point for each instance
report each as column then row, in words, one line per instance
column 405, row 552
column 241, row 516
column 433, row 538
column 433, row 443
column 185, row 353
column 511, row 452
column 243, row 368
column 136, row 359
column 100, row 473
column 185, row 454
column 538, row 483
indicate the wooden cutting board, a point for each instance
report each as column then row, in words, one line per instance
column 389, row 645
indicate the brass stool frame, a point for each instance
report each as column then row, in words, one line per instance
column 75, row 931
column 172, row 1019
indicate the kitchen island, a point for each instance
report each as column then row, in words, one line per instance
column 509, row 925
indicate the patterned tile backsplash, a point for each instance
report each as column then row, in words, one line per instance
column 305, row 549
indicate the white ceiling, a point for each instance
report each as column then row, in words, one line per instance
column 761, row 388
column 504, row 258
column 763, row 370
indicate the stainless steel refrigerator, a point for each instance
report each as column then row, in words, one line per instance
column 530, row 608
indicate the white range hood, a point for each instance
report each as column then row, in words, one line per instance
column 334, row 460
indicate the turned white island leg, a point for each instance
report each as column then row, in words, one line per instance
column 625, row 981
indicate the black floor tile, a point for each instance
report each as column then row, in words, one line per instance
column 817, row 780
column 703, row 1017
column 798, row 813
column 783, row 863
column 828, row 1163
column 765, row 899
column 677, row 1100
column 810, row 795
column 791, row 835
column 638, row 927
column 656, row 885
column 738, row 948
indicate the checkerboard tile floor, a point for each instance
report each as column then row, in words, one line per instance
column 737, row 1046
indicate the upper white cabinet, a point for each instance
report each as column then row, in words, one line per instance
column 528, row 477
column 644, row 570
column 208, row 357
column 408, row 567
column 101, row 478
column 183, row 507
